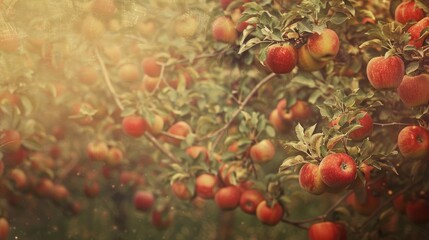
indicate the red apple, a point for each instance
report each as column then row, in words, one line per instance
column 181, row 191
column 278, row 123
column 44, row 188
column 365, row 206
column 385, row 73
column 366, row 129
column 206, row 186
column 10, row 141
column 414, row 90
column 134, row 125
column 415, row 32
column 408, row 11
column 13, row 159
column 281, row 58
column 338, row 170
column 97, row 151
column 195, row 151
column 91, row 189
column 399, row 203
column 151, row 67
column 223, row 30
column 310, row 179
column 143, row 200
column 413, row 142
column 179, row 129
column 327, row 231
column 104, row 8
column 323, row 46
column 59, row 193
column 4, row 229
column 417, row 211
column 18, row 178
column 162, row 218
column 262, row 151
column 228, row 198
column 114, row 156
column 250, row 200
column 269, row 215
column 306, row 62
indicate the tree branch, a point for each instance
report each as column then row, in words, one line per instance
column 155, row 142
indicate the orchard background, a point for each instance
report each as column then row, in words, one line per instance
column 208, row 119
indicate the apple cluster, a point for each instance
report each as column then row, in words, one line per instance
column 335, row 172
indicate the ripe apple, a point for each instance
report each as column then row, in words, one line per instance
column 181, row 191
column 278, row 123
column 300, row 111
column 384, row 73
column 134, row 125
column 415, row 32
column 365, row 206
column 323, row 46
column 10, row 141
column 149, row 83
column 414, row 90
column 151, row 67
column 157, row 125
column 87, row 75
column 223, row 30
column 59, row 193
column 104, row 8
column 143, row 200
column 206, row 186
column 327, row 231
column 399, row 203
column 4, row 229
column 306, row 62
column 195, row 151
column 92, row 28
column 413, row 142
column 114, row 156
column 18, row 178
column 408, row 11
column 162, row 218
column 186, row 26
column 311, row 180
column 97, row 151
column 281, row 58
column 250, row 200
column 13, row 159
column 129, row 72
column 269, row 215
column 228, row 198
column 417, row 211
column 262, row 151
column 91, row 189
column 224, row 3
column 337, row 170
column 180, row 129
column 44, row 187
column 366, row 129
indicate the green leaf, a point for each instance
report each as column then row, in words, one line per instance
column 299, row 130
column 290, row 162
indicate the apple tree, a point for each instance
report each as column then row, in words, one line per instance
column 214, row 119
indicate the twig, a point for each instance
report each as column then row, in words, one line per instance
column 385, row 204
column 107, row 80
column 391, row 124
column 243, row 104
column 161, row 148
